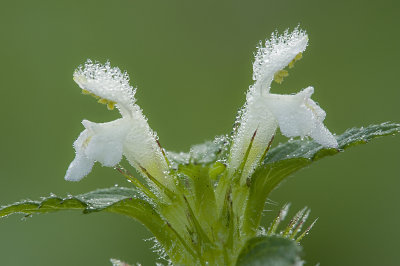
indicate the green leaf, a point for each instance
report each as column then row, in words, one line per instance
column 98, row 200
column 263, row 181
column 270, row 251
column 289, row 157
column 311, row 150
column 204, row 153
column 125, row 201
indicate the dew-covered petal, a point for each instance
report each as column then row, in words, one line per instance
column 142, row 150
column 102, row 142
column 323, row 136
column 81, row 165
column 277, row 53
column 107, row 83
column 106, row 143
column 298, row 115
column 256, row 119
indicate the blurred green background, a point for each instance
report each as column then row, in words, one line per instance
column 191, row 62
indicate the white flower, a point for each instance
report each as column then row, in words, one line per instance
column 296, row 115
column 130, row 135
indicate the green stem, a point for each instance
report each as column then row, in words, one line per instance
column 136, row 182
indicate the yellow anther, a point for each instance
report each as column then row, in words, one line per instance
column 86, row 92
column 299, row 56
column 110, row 105
column 295, row 59
column 103, row 101
column 278, row 77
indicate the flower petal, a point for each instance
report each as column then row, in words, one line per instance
column 110, row 84
column 142, row 150
column 298, row 115
column 81, row 165
column 278, row 52
column 256, row 119
column 98, row 142
column 106, row 143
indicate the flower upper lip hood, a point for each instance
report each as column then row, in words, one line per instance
column 264, row 112
column 276, row 54
column 130, row 135
column 107, row 83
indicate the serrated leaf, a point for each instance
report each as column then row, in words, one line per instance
column 269, row 251
column 311, row 150
column 89, row 202
column 204, row 153
column 289, row 157
column 125, row 201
